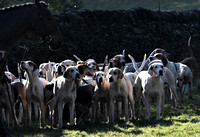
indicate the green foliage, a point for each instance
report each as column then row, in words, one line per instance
column 56, row 6
column 149, row 4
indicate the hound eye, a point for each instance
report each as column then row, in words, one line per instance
column 115, row 73
column 97, row 74
column 155, row 66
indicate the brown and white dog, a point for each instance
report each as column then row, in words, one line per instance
column 65, row 92
column 121, row 90
column 34, row 89
column 185, row 76
column 46, row 70
column 101, row 93
column 191, row 62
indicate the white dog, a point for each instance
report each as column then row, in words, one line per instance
column 65, row 92
column 149, row 83
column 34, row 89
column 121, row 90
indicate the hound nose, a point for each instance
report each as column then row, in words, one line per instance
column 100, row 80
column 77, row 75
column 110, row 79
column 160, row 72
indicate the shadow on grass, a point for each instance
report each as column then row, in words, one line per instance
column 104, row 128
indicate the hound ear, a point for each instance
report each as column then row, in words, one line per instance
column 74, row 64
column 36, row 72
column 81, row 68
column 150, row 70
column 121, row 75
column 97, row 67
column 66, row 74
column 161, row 57
column 94, row 77
column 37, row 3
column 111, row 63
column 64, row 67
column 152, row 58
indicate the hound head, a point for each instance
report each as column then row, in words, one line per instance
column 162, row 51
column 92, row 65
column 118, row 61
column 60, row 69
column 180, row 80
column 68, row 63
column 29, row 66
column 161, row 57
column 98, row 76
column 114, row 74
column 71, row 73
column 44, row 67
column 10, row 76
column 156, row 68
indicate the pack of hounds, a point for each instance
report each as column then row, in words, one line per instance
column 88, row 91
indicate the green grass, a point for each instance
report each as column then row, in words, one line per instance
column 184, row 121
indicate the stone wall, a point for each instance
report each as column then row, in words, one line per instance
column 95, row 34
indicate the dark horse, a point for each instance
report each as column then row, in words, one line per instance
column 17, row 20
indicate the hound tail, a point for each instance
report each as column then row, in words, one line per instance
column 138, row 70
column 77, row 58
column 105, row 62
column 189, row 47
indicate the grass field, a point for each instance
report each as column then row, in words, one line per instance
column 184, row 121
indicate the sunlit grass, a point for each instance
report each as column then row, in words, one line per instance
column 184, row 121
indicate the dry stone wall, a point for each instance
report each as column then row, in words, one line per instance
column 95, row 34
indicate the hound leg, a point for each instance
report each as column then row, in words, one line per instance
column 190, row 90
column 42, row 114
column 60, row 113
column 24, row 111
column 162, row 101
column 51, row 113
column 181, row 94
column 111, row 113
column 158, row 106
column 147, row 107
column 131, row 99
column 36, row 110
column 29, row 114
column 119, row 110
column 71, row 111
column 55, row 114
column 174, row 95
column 139, row 106
column 126, row 109
column 94, row 110
column 20, row 112
column 3, row 115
